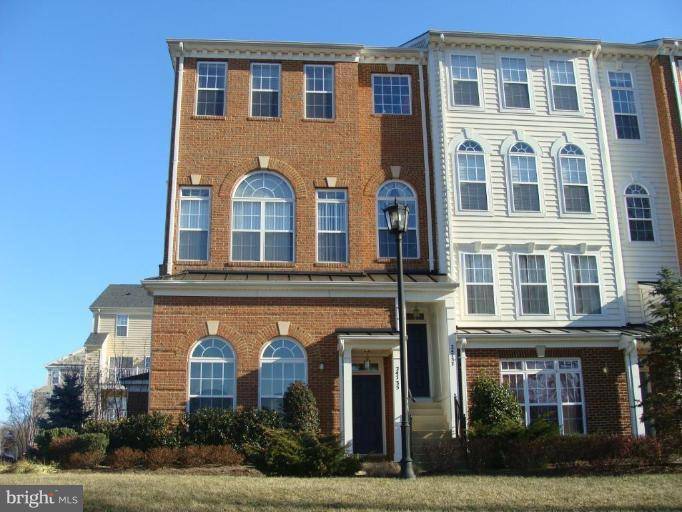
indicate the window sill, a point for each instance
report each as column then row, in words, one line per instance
column 255, row 118
column 321, row 120
column 192, row 263
column 374, row 114
column 260, row 264
column 209, row 118
column 322, row 264
column 393, row 260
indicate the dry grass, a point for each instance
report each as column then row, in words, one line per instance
column 139, row 491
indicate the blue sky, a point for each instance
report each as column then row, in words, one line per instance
column 85, row 105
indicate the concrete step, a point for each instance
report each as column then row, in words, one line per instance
column 428, row 422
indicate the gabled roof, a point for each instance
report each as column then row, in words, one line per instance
column 75, row 358
column 123, row 296
column 96, row 339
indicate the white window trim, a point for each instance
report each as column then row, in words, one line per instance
column 191, row 359
column 260, row 363
column 496, row 286
column 305, row 92
column 517, row 286
column 550, row 89
column 317, row 223
column 376, row 222
column 571, row 292
column 179, row 211
column 117, row 324
column 279, row 91
column 488, row 186
column 451, row 93
column 409, row 85
column 656, row 240
column 531, row 96
column 262, row 230
column 640, row 121
column 560, row 412
column 196, row 89
column 506, row 148
column 556, row 155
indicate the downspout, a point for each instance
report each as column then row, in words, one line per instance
column 676, row 80
column 628, row 345
column 427, row 169
column 609, row 186
column 175, row 148
column 462, row 384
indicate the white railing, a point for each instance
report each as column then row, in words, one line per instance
column 114, row 375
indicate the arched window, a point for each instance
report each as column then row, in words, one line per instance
column 473, row 193
column 388, row 193
column 263, row 219
column 211, row 375
column 524, row 178
column 574, row 182
column 640, row 221
column 283, row 362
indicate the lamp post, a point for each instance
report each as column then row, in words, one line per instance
column 396, row 217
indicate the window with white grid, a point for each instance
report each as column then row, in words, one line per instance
column 265, row 88
column 585, row 281
column 640, row 221
column 532, row 281
column 464, row 75
column 471, row 175
column 211, row 88
column 212, row 383
column 551, row 389
column 524, row 177
column 390, row 192
column 574, row 180
column 121, row 326
column 480, row 287
column 319, row 91
column 283, row 362
column 332, row 226
column 564, row 88
column 624, row 107
column 515, row 90
column 195, row 206
column 392, row 94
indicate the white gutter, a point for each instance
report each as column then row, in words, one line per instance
column 427, row 169
column 174, row 173
column 610, row 192
column 676, row 80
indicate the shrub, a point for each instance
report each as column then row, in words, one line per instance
column 445, row 456
column 251, row 427
column 126, row 458
column 85, row 460
column 91, row 443
column 493, row 404
column 26, row 466
column 300, row 408
column 92, row 446
column 60, row 449
column 209, row 426
column 145, row 431
column 196, row 455
column 291, row 453
column 45, row 437
column 161, row 457
column 100, row 427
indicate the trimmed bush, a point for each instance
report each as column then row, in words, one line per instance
column 145, row 431
column 210, row 426
column 161, row 457
column 493, row 404
column 126, row 458
column 300, row 409
column 100, row 427
column 85, row 443
column 291, row 453
column 45, row 437
column 85, row 460
column 251, row 427
column 196, row 455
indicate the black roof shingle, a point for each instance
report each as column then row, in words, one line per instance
column 123, row 296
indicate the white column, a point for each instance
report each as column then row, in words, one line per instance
column 397, row 404
column 464, row 398
column 346, row 398
column 628, row 345
column 451, row 355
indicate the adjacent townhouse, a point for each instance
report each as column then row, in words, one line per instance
column 56, row 371
column 278, row 262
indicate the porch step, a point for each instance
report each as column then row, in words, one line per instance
column 427, row 417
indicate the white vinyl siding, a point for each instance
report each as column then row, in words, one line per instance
column 137, row 343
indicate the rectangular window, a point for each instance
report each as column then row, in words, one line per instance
column 211, row 88
column 121, row 362
column 332, row 226
column 147, row 361
column 464, row 74
column 515, row 83
column 265, row 87
column 624, row 108
column 122, row 325
column 195, row 205
column 585, row 277
column 533, row 284
column 319, row 92
column 55, row 377
column 564, row 90
column 524, row 176
column 392, row 94
column 640, row 221
column 549, row 389
column 480, row 288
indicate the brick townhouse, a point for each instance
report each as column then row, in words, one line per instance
column 530, row 242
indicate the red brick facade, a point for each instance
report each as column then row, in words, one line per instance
column 606, row 395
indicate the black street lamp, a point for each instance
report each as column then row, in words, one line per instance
column 396, row 217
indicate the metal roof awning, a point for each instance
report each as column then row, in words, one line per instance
column 632, row 329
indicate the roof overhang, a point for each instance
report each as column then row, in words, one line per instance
column 367, row 341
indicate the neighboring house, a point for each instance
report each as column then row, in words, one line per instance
column 72, row 363
column 278, row 264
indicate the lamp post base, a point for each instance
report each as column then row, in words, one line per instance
column 407, row 470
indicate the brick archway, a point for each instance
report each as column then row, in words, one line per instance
column 273, row 164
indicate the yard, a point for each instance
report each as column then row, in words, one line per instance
column 150, row 491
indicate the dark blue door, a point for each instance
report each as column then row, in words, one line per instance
column 418, row 360
column 367, row 431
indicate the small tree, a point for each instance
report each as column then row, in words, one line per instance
column 494, row 405
column 65, row 407
column 21, row 420
column 663, row 406
column 300, row 408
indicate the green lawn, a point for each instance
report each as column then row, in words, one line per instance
column 139, row 492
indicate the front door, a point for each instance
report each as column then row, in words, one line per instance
column 418, row 361
column 367, row 430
